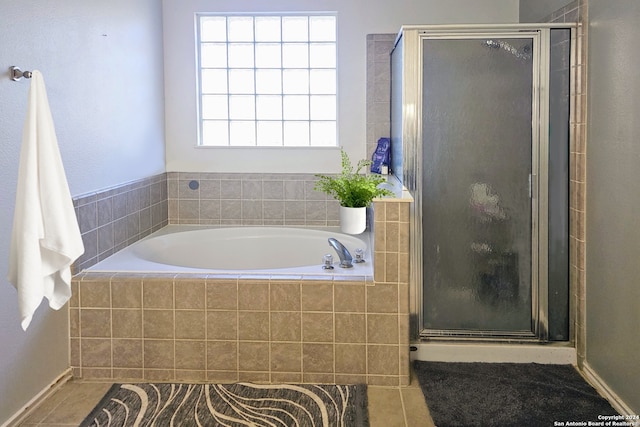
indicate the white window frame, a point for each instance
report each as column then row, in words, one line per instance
column 308, row 116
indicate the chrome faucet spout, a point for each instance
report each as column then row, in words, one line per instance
column 345, row 257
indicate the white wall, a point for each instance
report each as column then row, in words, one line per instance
column 536, row 10
column 102, row 64
column 356, row 19
column 613, row 199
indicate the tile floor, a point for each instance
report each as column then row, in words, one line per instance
column 388, row 406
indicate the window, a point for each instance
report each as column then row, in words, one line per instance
column 267, row 80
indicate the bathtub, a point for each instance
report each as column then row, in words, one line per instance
column 238, row 250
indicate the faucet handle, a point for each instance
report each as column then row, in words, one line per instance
column 359, row 256
column 327, row 262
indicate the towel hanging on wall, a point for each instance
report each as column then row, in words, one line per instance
column 46, row 238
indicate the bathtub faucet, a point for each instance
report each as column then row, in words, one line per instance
column 343, row 253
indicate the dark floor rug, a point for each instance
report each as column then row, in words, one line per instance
column 231, row 405
column 508, row 394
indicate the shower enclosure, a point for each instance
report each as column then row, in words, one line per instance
column 480, row 137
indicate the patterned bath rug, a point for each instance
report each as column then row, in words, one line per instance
column 508, row 395
column 232, row 405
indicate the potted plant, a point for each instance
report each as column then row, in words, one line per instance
column 354, row 190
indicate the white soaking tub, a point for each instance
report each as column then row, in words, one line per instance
column 251, row 250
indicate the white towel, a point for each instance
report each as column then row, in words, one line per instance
column 46, row 238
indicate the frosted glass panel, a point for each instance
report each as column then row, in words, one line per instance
column 267, row 28
column 322, row 28
column 215, row 107
column 295, row 28
column 240, row 28
column 269, row 81
column 477, row 139
column 295, row 82
column 295, row 55
column 296, row 134
column 213, row 55
column 241, row 81
column 213, row 29
column 214, row 81
column 268, row 55
column 240, row 55
column 323, row 81
column 296, row 107
column 269, row 107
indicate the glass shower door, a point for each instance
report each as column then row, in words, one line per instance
column 477, row 195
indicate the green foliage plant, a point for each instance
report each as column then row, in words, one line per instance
column 351, row 187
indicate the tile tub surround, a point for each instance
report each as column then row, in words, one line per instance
column 327, row 329
column 248, row 199
column 277, row 329
column 113, row 218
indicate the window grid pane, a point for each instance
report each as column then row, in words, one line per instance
column 267, row 80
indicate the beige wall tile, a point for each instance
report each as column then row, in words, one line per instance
column 317, row 327
column 255, row 377
column 253, row 356
column 392, row 237
column 391, row 267
column 222, row 356
column 222, row 294
column 382, row 359
column 351, row 359
column 127, row 323
column 318, row 378
column 95, row 294
column 126, row 293
column 317, row 358
column 285, row 296
column 95, row 352
column 253, row 294
column 286, row 326
column 286, row 357
column 382, row 298
column 222, row 377
column 95, row 323
column 350, row 328
column 350, row 379
column 159, row 374
column 182, row 375
column 392, row 211
column 382, row 328
column 383, row 380
column 286, row 377
column 157, row 293
column 159, row 354
column 158, row 324
column 127, row 374
column 74, row 322
column 190, row 324
column 98, row 373
column 189, row 294
column 317, row 296
column 74, row 301
column 222, row 325
column 253, row 325
column 349, row 297
column 190, row 355
column 379, row 269
column 127, row 353
column 74, row 352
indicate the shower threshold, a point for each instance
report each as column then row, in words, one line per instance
column 562, row 353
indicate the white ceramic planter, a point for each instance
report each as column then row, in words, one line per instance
column 353, row 220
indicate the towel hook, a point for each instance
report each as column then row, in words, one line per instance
column 17, row 73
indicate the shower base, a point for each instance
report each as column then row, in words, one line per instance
column 561, row 353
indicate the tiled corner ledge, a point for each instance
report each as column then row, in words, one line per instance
column 115, row 217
